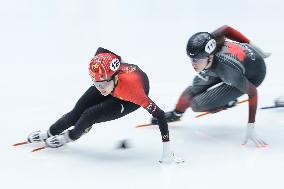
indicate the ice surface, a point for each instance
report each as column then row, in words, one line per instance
column 45, row 49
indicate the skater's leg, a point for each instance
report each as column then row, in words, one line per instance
column 90, row 98
column 215, row 98
column 200, row 84
column 108, row 110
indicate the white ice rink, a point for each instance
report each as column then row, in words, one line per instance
column 45, row 49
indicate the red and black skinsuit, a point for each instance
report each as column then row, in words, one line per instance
column 236, row 67
column 130, row 93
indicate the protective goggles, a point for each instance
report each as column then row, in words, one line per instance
column 199, row 60
column 102, row 84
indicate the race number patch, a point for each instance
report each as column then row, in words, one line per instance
column 210, row 46
column 114, row 65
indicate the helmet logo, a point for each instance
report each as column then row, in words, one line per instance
column 95, row 66
column 210, row 46
column 114, row 65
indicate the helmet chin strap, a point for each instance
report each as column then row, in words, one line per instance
column 115, row 79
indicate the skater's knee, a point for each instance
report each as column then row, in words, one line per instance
column 84, row 124
column 90, row 116
column 194, row 106
column 70, row 118
column 189, row 92
column 76, row 133
column 198, row 106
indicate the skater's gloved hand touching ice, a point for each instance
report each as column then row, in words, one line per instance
column 168, row 156
column 251, row 136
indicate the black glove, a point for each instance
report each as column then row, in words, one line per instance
column 170, row 117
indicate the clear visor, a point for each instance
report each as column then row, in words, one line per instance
column 198, row 61
column 102, row 84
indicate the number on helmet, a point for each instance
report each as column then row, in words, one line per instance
column 210, row 46
column 114, row 65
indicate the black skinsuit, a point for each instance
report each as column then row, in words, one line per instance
column 232, row 66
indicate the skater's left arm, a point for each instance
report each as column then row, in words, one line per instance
column 167, row 155
column 235, row 78
column 137, row 95
column 251, row 91
column 250, row 131
column 244, row 85
column 228, row 32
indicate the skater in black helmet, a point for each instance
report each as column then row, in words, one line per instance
column 118, row 89
column 234, row 67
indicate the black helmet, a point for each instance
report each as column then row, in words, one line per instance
column 200, row 45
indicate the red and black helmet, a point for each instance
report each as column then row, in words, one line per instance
column 104, row 65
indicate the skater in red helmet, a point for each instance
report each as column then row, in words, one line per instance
column 119, row 89
column 226, row 69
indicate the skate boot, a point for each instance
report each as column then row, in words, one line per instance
column 38, row 136
column 231, row 103
column 58, row 140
